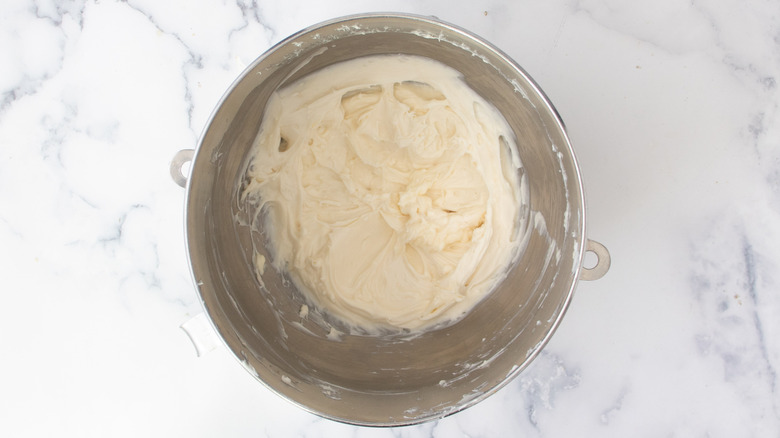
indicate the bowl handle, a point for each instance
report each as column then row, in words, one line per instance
column 602, row 262
column 181, row 158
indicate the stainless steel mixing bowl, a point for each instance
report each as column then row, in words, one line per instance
column 391, row 380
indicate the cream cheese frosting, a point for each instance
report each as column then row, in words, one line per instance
column 391, row 189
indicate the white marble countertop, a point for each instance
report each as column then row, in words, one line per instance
column 672, row 107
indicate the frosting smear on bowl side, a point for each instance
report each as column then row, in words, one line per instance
column 391, row 190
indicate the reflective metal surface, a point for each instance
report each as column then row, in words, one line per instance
column 181, row 158
column 391, row 380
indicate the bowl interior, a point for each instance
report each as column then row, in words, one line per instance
column 397, row 379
